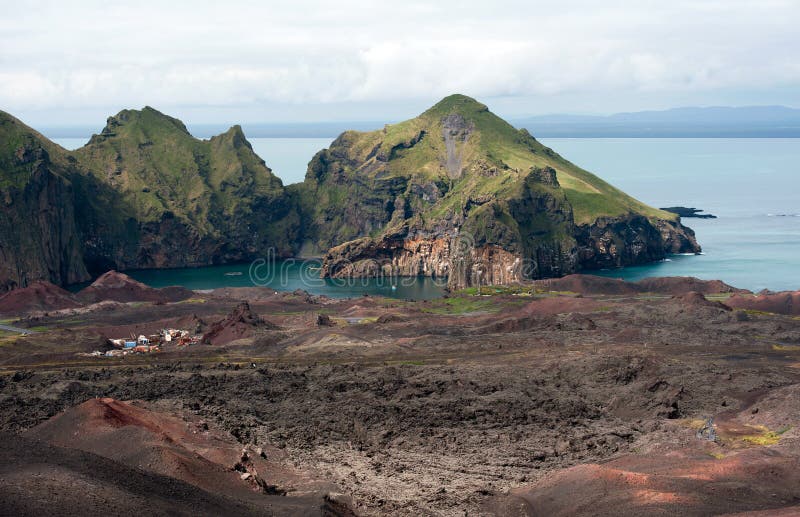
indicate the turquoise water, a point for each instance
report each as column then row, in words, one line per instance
column 752, row 185
column 289, row 275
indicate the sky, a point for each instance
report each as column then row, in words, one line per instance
column 74, row 63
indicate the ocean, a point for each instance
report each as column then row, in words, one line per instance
column 752, row 185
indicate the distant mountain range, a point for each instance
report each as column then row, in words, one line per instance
column 753, row 121
column 721, row 121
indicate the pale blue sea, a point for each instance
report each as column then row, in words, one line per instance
column 752, row 185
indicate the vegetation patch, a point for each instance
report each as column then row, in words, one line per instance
column 193, row 300
column 754, row 312
column 763, row 436
column 462, row 305
column 408, row 363
column 786, row 348
column 752, row 435
column 718, row 297
column 694, row 423
column 7, row 339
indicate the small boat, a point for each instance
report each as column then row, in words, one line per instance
column 234, row 273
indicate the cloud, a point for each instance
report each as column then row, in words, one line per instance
column 60, row 55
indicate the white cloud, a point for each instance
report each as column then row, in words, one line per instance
column 58, row 55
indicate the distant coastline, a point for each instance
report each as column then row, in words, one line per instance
column 711, row 122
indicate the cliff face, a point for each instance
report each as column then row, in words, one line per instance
column 143, row 193
column 39, row 238
column 458, row 192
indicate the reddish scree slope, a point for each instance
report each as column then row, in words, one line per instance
column 38, row 296
column 133, row 435
column 122, row 288
column 690, row 476
column 592, row 284
column 787, row 302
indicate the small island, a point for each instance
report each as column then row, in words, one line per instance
column 688, row 212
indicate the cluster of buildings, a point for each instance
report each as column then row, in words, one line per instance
column 148, row 344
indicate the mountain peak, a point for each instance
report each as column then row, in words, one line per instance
column 457, row 103
column 147, row 117
column 234, row 136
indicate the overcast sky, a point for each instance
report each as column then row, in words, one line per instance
column 259, row 61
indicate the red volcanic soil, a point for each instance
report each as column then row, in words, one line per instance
column 787, row 302
column 38, row 296
column 122, row 288
column 240, row 323
column 37, row 478
column 591, row 284
column 683, row 284
column 587, row 284
column 695, row 299
column 685, row 475
column 676, row 483
column 189, row 451
column 561, row 305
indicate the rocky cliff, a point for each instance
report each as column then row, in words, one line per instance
column 458, row 192
column 39, row 236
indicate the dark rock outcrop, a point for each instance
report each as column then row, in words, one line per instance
column 683, row 211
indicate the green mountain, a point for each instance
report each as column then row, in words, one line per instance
column 195, row 202
column 143, row 193
column 459, row 192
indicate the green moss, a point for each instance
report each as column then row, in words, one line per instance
column 462, row 305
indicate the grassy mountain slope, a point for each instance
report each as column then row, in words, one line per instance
column 196, row 201
column 484, row 156
column 459, row 168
